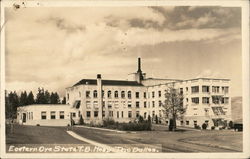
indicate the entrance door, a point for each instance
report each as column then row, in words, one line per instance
column 24, row 117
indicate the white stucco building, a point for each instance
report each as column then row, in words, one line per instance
column 205, row 100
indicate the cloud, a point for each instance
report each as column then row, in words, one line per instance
column 209, row 74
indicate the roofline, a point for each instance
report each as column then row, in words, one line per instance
column 224, row 79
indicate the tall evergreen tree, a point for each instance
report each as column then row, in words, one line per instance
column 40, row 97
column 23, row 98
column 46, row 97
column 30, row 98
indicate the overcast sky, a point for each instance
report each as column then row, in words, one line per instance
column 56, row 47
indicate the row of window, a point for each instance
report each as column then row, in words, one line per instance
column 215, row 100
column 116, row 104
column 206, row 89
column 120, row 114
column 61, row 115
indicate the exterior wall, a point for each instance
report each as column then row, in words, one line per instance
column 196, row 113
column 32, row 115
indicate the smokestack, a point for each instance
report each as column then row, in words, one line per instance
column 139, row 64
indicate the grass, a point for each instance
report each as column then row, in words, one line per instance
column 39, row 135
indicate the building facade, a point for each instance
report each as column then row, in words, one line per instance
column 205, row 100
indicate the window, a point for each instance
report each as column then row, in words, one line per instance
column 53, row 115
column 159, row 102
column 103, row 104
column 137, row 114
column 181, row 90
column 61, row 114
column 186, row 99
column 225, row 100
column 109, row 104
column 110, row 113
column 145, row 95
column 31, row 115
column 215, row 89
column 153, row 94
column 187, row 122
column 145, row 115
column 153, row 114
column 88, row 114
column 103, row 114
column 129, row 94
column 116, row 94
column 87, row 94
column 145, row 104
column 225, row 89
column 130, row 114
column 116, row 104
column 68, row 96
column 186, row 89
column 117, row 114
column 205, row 89
column 153, row 104
column 122, row 114
column 95, row 94
column 123, row 94
column 88, row 104
column 43, row 115
column 95, row 114
column 137, row 104
column 195, row 89
column 103, row 93
column 137, row 94
column 195, row 100
column 95, row 104
column 195, row 122
column 159, row 93
column 109, row 94
column 216, row 99
column 73, row 114
column 129, row 104
column 205, row 100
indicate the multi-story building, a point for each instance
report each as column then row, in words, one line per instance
column 206, row 100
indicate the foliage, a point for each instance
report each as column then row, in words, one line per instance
column 231, row 124
column 30, row 98
column 11, row 104
column 81, row 122
column 54, row 98
column 173, row 105
column 213, row 127
column 64, row 100
column 204, row 126
column 156, row 119
column 172, row 125
column 197, row 127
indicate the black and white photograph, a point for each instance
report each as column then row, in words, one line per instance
column 125, row 80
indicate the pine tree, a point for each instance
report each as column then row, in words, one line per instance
column 40, row 97
column 23, row 98
column 46, row 97
column 30, row 98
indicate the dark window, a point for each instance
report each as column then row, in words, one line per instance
column 117, row 114
column 137, row 114
column 159, row 93
column 95, row 94
column 95, row 113
column 103, row 113
column 109, row 94
column 103, row 93
column 123, row 94
column 205, row 89
column 205, row 100
column 215, row 89
column 129, row 94
column 145, row 104
column 122, row 114
column 68, row 96
column 61, row 114
column 187, row 122
column 153, row 104
column 137, row 104
column 153, row 94
column 53, row 115
column 181, row 90
column 88, row 114
column 116, row 94
column 195, row 100
column 145, row 95
column 43, row 115
column 87, row 94
column 110, row 113
column 137, row 94
column 130, row 114
column 159, row 103
column 195, row 89
column 129, row 104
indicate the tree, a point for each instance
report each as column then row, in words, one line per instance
column 64, row 100
column 23, row 98
column 54, row 98
column 47, row 97
column 173, row 104
column 30, row 98
column 156, row 120
column 40, row 97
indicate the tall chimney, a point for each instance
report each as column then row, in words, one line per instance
column 139, row 64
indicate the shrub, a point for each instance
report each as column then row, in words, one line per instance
column 81, row 122
column 204, row 126
column 197, row 127
column 231, row 125
column 37, row 124
column 213, row 127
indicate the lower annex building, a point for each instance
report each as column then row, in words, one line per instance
column 206, row 100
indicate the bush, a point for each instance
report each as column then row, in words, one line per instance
column 231, row 125
column 197, row 127
column 213, row 127
column 37, row 124
column 204, row 126
column 81, row 122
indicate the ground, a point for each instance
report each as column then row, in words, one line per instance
column 184, row 140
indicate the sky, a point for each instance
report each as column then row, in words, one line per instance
column 55, row 48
